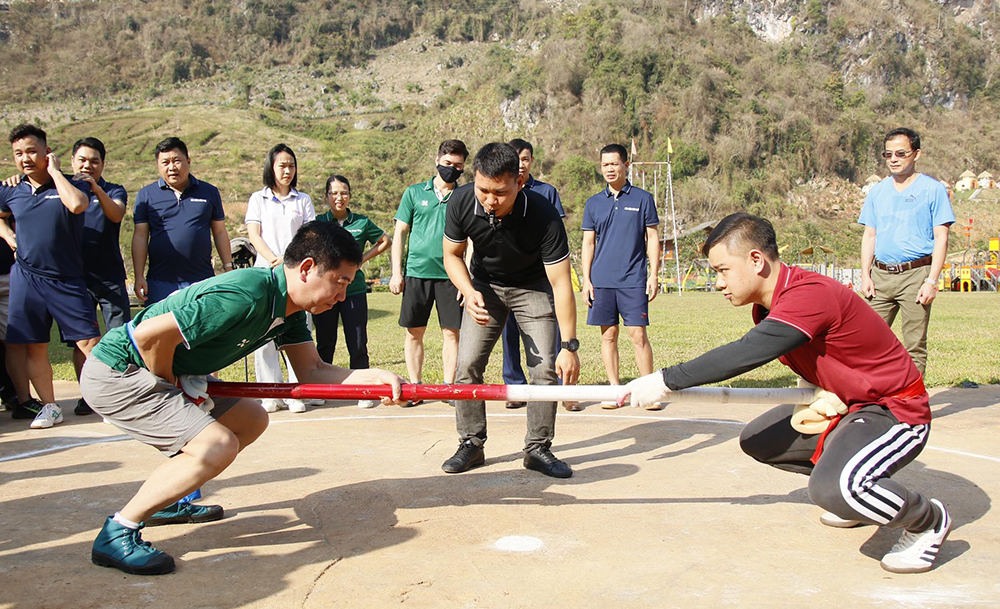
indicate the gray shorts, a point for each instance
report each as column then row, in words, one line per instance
column 145, row 406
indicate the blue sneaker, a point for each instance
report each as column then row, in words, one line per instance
column 183, row 513
column 122, row 548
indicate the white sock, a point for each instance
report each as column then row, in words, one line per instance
column 125, row 522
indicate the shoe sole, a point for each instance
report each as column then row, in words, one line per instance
column 515, row 405
column 609, row 406
column 157, row 522
column 474, row 463
column 841, row 524
column 54, row 423
column 103, row 560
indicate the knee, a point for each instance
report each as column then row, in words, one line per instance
column 638, row 337
column 751, row 445
column 610, row 336
column 222, row 451
column 257, row 423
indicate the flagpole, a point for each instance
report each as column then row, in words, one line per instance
column 673, row 215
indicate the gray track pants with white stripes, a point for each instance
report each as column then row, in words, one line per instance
column 852, row 477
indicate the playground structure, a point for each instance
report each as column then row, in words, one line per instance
column 973, row 270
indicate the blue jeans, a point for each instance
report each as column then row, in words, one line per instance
column 534, row 310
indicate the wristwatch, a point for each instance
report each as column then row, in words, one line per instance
column 930, row 281
column 572, row 345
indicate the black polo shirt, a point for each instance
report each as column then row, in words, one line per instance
column 513, row 251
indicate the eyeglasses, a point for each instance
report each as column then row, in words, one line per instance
column 900, row 154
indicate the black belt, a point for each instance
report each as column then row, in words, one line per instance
column 902, row 267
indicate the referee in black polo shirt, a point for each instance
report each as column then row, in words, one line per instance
column 520, row 265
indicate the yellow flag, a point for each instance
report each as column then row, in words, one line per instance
column 670, row 147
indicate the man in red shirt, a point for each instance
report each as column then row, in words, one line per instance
column 830, row 337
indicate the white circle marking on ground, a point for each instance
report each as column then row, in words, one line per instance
column 518, row 543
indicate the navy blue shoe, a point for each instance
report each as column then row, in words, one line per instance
column 185, row 513
column 122, row 548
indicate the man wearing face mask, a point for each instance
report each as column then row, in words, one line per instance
column 520, row 265
column 424, row 282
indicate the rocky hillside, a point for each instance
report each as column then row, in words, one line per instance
column 763, row 100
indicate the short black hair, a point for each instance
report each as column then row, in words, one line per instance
column 520, row 146
column 616, row 149
column 495, row 160
column 337, row 178
column 171, row 143
column 909, row 134
column 327, row 243
column 269, row 180
column 453, row 147
column 90, row 142
column 25, row 130
column 742, row 232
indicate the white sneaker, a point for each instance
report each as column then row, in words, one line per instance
column 832, row 520
column 296, row 406
column 915, row 552
column 367, row 403
column 49, row 415
column 271, row 404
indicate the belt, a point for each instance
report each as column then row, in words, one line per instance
column 902, row 267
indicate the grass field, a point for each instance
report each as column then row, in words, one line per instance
column 964, row 340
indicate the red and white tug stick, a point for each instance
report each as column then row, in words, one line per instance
column 507, row 393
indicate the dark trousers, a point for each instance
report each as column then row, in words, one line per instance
column 852, row 477
column 511, row 339
column 354, row 313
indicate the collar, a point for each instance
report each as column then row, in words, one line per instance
column 784, row 276
column 270, row 194
column 192, row 182
column 280, row 302
column 429, row 185
column 520, row 208
column 531, row 181
column 24, row 180
column 102, row 183
column 626, row 189
column 349, row 219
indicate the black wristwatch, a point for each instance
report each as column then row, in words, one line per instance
column 570, row 345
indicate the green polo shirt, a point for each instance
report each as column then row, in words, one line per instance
column 364, row 232
column 421, row 209
column 222, row 319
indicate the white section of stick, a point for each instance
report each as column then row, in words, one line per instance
column 695, row 395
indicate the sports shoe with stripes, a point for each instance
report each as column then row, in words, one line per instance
column 915, row 552
column 49, row 415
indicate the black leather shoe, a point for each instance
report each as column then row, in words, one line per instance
column 82, row 408
column 465, row 458
column 513, row 405
column 542, row 460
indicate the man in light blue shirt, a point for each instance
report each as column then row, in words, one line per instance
column 906, row 218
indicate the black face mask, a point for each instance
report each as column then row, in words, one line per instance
column 449, row 174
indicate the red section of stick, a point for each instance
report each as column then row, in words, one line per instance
column 356, row 392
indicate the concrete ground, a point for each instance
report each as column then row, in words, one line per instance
column 341, row 507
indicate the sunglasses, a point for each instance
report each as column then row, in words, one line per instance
column 900, row 154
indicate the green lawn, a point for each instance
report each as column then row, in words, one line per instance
column 964, row 341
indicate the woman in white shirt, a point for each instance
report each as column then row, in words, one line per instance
column 274, row 214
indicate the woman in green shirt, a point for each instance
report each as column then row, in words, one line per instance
column 354, row 309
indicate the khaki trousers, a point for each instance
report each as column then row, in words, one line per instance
column 897, row 294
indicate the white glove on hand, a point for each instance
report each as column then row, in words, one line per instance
column 195, row 389
column 828, row 404
column 815, row 417
column 645, row 390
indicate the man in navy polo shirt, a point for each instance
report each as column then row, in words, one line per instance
column 619, row 237
column 176, row 218
column 48, row 280
column 512, row 373
column 520, row 265
column 102, row 256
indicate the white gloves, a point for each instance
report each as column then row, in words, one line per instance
column 815, row 417
column 195, row 388
column 646, row 390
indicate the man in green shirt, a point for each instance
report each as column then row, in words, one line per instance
column 421, row 216
column 148, row 379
